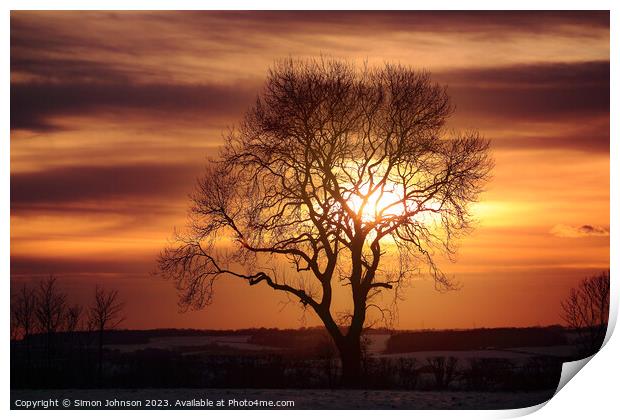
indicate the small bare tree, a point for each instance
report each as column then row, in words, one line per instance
column 444, row 369
column 332, row 171
column 50, row 311
column 23, row 317
column 23, row 311
column 73, row 317
column 106, row 313
column 586, row 311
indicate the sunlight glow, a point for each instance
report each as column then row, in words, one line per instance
column 382, row 204
column 378, row 205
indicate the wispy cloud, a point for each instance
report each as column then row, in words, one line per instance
column 567, row 231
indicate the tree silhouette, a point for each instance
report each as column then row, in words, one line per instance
column 73, row 317
column 444, row 369
column 50, row 312
column 105, row 313
column 23, row 316
column 586, row 311
column 23, row 309
column 333, row 168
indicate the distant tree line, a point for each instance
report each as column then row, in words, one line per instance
column 46, row 329
column 476, row 339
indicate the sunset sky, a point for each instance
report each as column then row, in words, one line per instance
column 113, row 116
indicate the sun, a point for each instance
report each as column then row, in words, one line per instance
column 378, row 204
column 388, row 202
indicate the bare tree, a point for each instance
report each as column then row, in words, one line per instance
column 50, row 311
column 23, row 310
column 106, row 313
column 23, row 317
column 444, row 369
column 73, row 317
column 333, row 170
column 586, row 311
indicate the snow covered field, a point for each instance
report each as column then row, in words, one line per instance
column 170, row 343
column 376, row 345
column 318, row 398
column 520, row 353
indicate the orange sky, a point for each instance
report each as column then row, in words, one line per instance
column 114, row 114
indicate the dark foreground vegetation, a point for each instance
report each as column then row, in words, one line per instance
column 286, row 359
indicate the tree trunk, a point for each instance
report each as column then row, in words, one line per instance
column 351, row 359
column 100, row 359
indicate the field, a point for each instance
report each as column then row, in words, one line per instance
column 376, row 346
column 456, row 369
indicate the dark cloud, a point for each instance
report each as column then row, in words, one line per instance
column 539, row 92
column 542, row 92
column 33, row 266
column 57, row 86
column 61, row 69
column 533, row 104
column 43, row 42
column 34, row 105
column 62, row 186
column 499, row 23
column 593, row 73
column 574, row 96
column 27, row 30
column 53, row 69
column 592, row 138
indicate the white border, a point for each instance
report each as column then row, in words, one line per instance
column 593, row 394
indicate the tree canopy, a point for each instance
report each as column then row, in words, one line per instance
column 333, row 167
